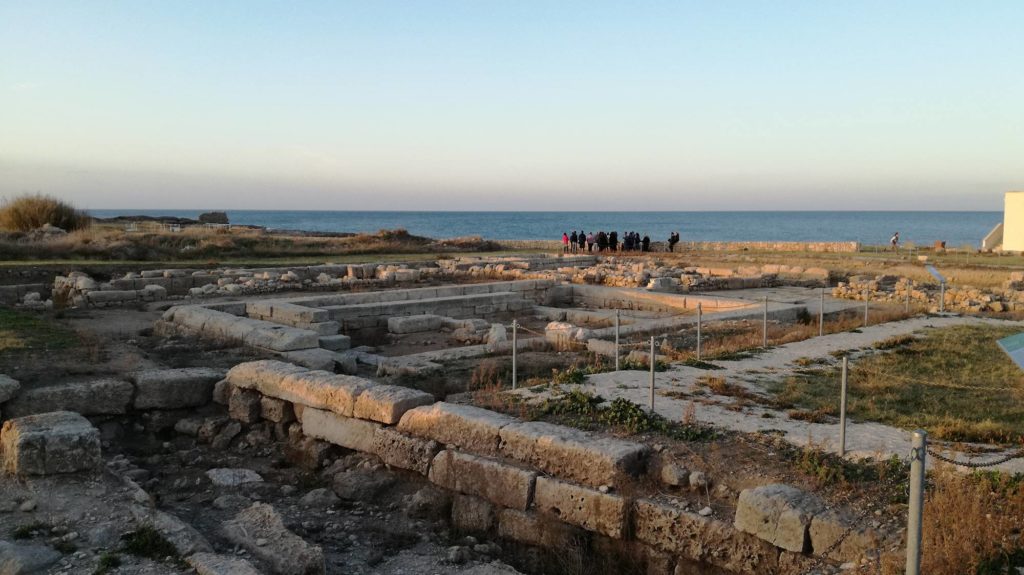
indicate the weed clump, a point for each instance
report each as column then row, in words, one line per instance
column 147, row 542
column 30, row 212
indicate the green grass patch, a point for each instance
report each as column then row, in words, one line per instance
column 700, row 364
column 107, row 563
column 29, row 530
column 28, row 331
column 954, row 382
column 147, row 542
column 585, row 410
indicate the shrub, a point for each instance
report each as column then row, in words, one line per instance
column 26, row 213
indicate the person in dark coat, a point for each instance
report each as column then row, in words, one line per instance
column 646, row 243
column 572, row 241
column 613, row 241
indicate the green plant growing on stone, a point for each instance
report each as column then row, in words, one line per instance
column 107, row 563
column 147, row 542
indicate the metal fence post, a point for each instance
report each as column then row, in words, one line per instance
column 842, row 406
column 616, row 340
column 917, row 455
column 867, row 302
column 764, row 339
column 652, row 362
column 942, row 297
column 906, row 306
column 515, row 350
column 700, row 318
column 821, row 315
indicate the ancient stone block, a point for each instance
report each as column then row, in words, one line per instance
column 587, row 508
column 335, row 342
column 97, row 397
column 347, row 432
column 702, row 539
column 214, row 564
column 472, row 514
column 318, row 389
column 276, row 410
column 260, row 530
column 388, row 403
column 464, row 426
column 492, row 480
column 538, row 530
column 222, row 392
column 780, row 514
column 8, row 388
column 175, row 388
column 244, row 405
column 400, row 450
column 828, row 527
column 48, row 443
column 572, row 454
column 316, row 358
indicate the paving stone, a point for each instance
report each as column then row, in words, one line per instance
column 106, row 396
column 469, row 428
column 175, row 388
column 780, row 514
column 261, row 531
column 492, row 480
column 388, row 403
column 404, row 451
column 587, row 508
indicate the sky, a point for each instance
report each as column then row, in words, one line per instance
column 513, row 105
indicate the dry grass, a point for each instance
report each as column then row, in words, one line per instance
column 113, row 243
column 972, row 524
column 27, row 213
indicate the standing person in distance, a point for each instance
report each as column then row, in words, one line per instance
column 582, row 240
column 565, row 243
column 894, row 241
column 572, row 242
column 613, row 241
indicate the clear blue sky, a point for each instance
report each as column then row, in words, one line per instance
column 513, row 105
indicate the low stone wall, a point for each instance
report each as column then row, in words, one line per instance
column 834, row 247
column 533, row 483
column 15, row 294
column 897, row 290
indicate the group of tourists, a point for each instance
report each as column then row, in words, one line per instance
column 582, row 242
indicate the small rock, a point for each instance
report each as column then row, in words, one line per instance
column 224, row 477
column 698, row 480
column 458, row 555
column 28, row 505
column 674, row 474
column 705, row 512
column 319, row 498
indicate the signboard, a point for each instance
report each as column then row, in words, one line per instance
column 935, row 274
column 1014, row 347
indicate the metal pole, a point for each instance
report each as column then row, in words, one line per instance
column 917, row 455
column 616, row 340
column 867, row 302
column 907, row 304
column 515, row 349
column 652, row 362
column 821, row 315
column 842, row 406
column 942, row 297
column 764, row 339
column 700, row 318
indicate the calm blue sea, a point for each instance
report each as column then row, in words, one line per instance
column 872, row 228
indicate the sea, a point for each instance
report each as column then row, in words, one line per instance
column 957, row 229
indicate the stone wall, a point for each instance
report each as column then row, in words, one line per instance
column 533, row 483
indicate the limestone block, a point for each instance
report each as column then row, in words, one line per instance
column 415, row 323
column 47, row 443
column 18, row 559
column 828, row 527
column 472, row 514
column 404, row 451
column 97, row 397
column 244, row 405
column 276, row 410
column 492, row 480
column 222, row 392
column 469, row 428
column 572, row 454
column 780, row 514
column 532, row 529
column 587, row 508
column 388, row 403
column 175, row 388
column 8, row 388
column 110, row 297
column 293, row 314
column 335, row 342
column 260, row 530
column 672, row 529
column 214, row 564
column 347, row 432
column 318, row 389
column 325, row 328
column 316, row 358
